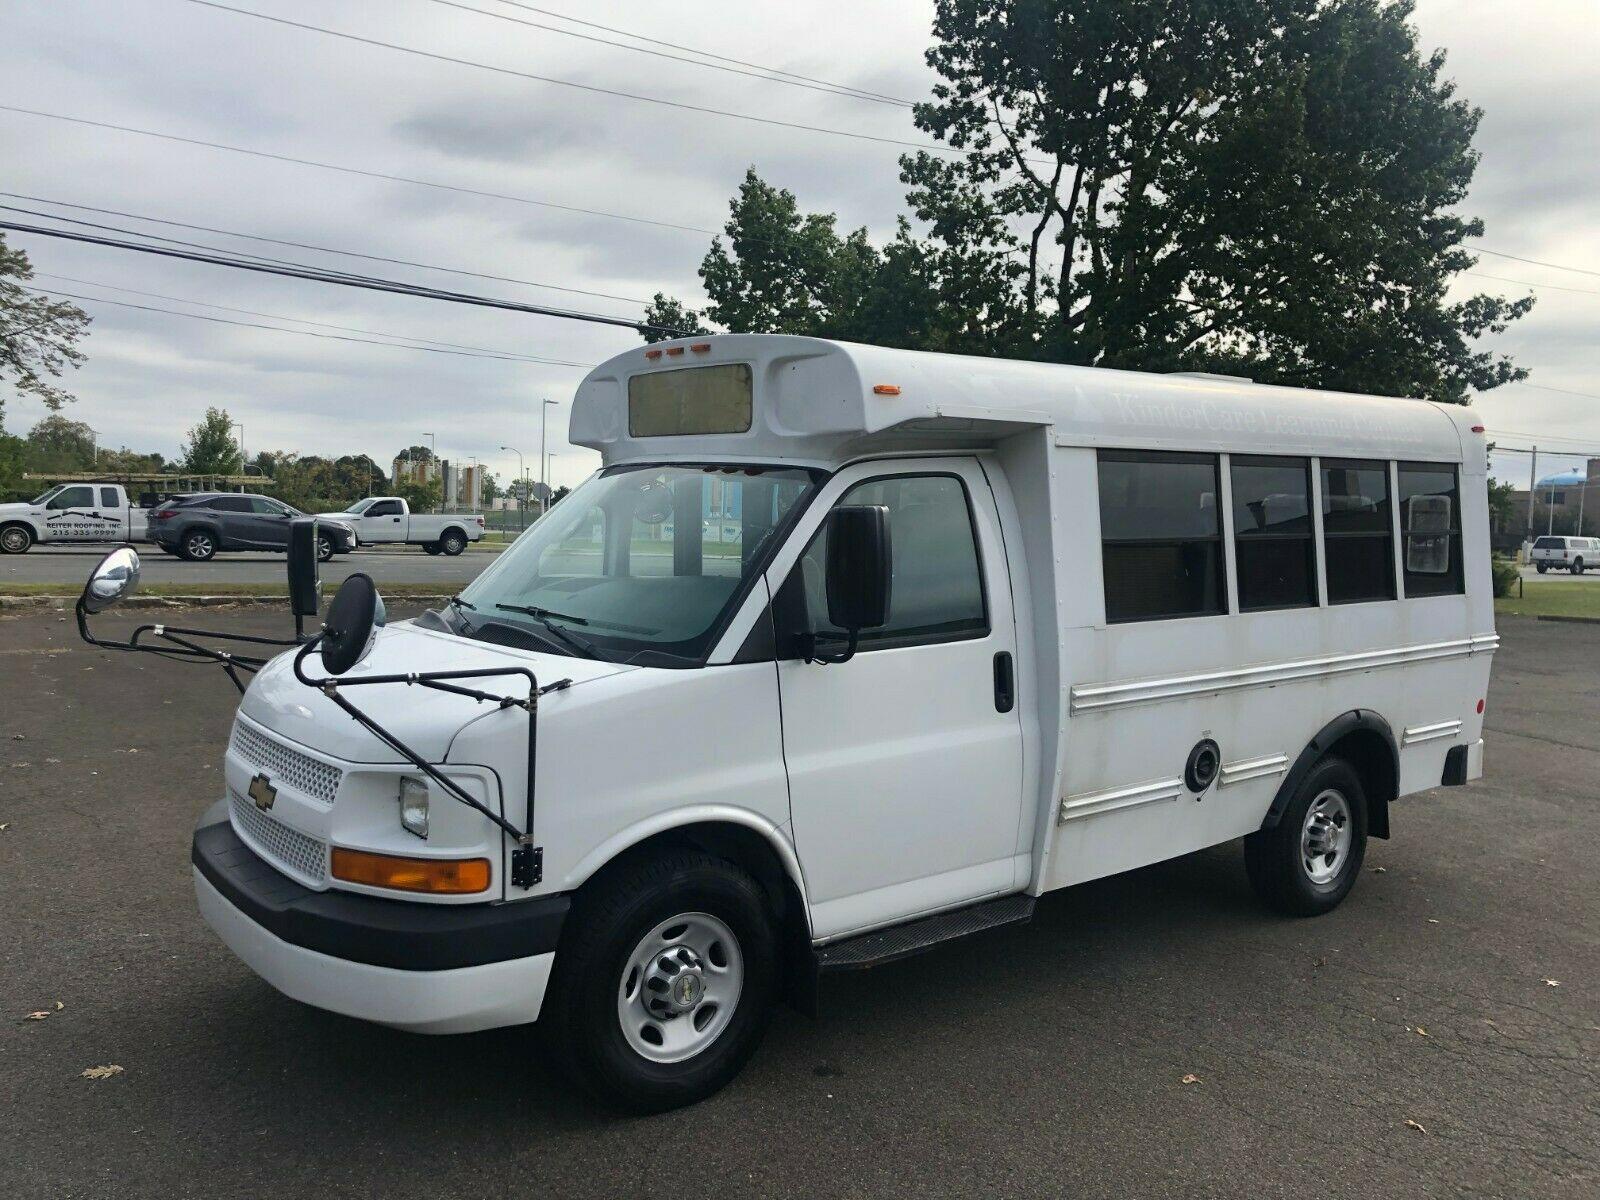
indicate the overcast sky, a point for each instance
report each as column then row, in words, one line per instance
column 174, row 67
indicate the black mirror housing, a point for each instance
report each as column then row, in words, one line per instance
column 860, row 567
column 305, row 581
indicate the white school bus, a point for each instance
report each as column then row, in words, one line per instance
column 845, row 652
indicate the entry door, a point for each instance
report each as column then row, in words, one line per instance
column 382, row 522
column 905, row 763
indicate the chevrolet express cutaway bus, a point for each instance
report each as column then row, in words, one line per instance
column 855, row 651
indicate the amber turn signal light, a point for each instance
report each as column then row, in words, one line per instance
column 885, row 389
column 441, row 876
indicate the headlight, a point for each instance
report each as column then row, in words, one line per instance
column 414, row 805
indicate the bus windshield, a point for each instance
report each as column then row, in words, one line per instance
column 640, row 563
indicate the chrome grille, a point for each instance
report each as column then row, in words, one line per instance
column 296, row 852
column 303, row 773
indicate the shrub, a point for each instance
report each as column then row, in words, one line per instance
column 1505, row 574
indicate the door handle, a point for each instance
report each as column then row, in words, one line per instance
column 1005, row 682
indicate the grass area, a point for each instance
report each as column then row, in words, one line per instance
column 1542, row 598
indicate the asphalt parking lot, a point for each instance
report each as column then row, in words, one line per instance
column 72, row 564
column 1439, row 1035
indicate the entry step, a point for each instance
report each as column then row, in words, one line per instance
column 899, row 941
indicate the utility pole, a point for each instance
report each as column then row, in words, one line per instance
column 1533, row 474
column 544, row 502
column 522, row 494
column 239, row 425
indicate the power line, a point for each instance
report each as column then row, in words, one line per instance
column 368, row 283
column 593, row 89
column 400, row 262
column 763, row 73
column 334, row 337
column 1531, row 261
column 705, row 53
column 250, row 312
column 1546, row 388
column 344, row 170
column 1551, row 287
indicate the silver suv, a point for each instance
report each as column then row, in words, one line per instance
column 1575, row 554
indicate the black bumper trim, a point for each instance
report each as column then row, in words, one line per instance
column 406, row 935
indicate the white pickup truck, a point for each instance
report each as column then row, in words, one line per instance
column 72, row 512
column 381, row 520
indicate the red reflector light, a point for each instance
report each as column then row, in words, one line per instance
column 652, row 355
column 885, row 389
column 166, row 513
column 700, row 347
column 1477, row 429
column 674, row 351
column 1480, row 706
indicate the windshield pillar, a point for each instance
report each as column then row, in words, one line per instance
column 687, row 502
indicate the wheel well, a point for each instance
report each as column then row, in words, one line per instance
column 1363, row 739
column 748, row 849
column 448, row 529
column 28, row 525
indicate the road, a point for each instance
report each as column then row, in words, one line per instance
column 1591, row 576
column 1438, row 1035
column 72, row 564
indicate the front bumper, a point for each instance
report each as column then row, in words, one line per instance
column 429, row 968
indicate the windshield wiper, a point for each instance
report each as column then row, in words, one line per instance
column 460, row 603
column 543, row 615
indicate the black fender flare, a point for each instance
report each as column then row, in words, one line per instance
column 1335, row 731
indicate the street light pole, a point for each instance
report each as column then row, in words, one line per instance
column 522, row 495
column 544, row 501
column 239, row 425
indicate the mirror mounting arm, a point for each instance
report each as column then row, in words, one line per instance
column 811, row 652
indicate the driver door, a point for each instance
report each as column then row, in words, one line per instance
column 383, row 522
column 905, row 763
column 71, row 515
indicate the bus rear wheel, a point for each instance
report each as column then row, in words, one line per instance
column 1306, row 864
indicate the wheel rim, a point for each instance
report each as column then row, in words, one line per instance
column 1326, row 837
column 199, row 545
column 14, row 540
column 680, row 987
column 324, row 548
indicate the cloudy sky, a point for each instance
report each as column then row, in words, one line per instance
column 178, row 68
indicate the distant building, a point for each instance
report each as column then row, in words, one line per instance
column 418, row 471
column 1563, row 502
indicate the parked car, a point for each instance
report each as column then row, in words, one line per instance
column 196, row 527
column 1575, row 554
column 388, row 520
column 81, row 513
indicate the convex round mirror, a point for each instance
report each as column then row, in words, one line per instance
column 354, row 618
column 113, row 580
column 653, row 504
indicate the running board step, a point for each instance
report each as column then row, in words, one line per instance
column 899, row 941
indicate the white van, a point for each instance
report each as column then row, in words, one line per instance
column 846, row 652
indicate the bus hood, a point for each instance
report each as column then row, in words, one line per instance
column 422, row 718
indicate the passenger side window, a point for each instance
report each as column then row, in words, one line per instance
column 263, row 507
column 937, row 590
column 233, row 504
column 1430, row 513
column 383, row 508
column 108, row 498
column 73, row 497
column 1160, row 535
column 1272, row 536
column 1357, row 530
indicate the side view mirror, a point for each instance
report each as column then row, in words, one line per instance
column 860, row 567
column 355, row 615
column 113, row 580
column 305, row 581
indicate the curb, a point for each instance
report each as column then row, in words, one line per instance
column 62, row 603
column 1572, row 620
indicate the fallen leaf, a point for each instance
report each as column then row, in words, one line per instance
column 105, row 1072
column 1433, row 920
column 1410, row 1124
column 36, row 1016
column 1190, row 1079
column 19, row 737
column 1552, row 983
column 1422, row 1031
column 1380, row 870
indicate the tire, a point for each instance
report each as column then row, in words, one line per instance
column 430, row 547
column 15, row 539
column 1539, row 567
column 1283, row 869
column 646, row 912
column 453, row 542
column 197, row 545
column 1577, row 566
column 324, row 547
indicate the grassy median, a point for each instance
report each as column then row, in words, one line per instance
column 1546, row 598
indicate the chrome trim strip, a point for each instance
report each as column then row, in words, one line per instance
column 1092, row 804
column 1252, row 768
column 1427, row 733
column 1096, row 697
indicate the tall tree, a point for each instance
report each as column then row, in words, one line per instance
column 38, row 335
column 59, row 444
column 1264, row 187
column 211, row 449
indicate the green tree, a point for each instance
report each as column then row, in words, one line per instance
column 1501, row 508
column 211, row 449
column 59, row 444
column 38, row 335
column 421, row 497
column 13, row 462
column 1261, row 187
column 131, row 462
column 489, row 491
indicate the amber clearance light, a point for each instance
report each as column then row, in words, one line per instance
column 442, row 876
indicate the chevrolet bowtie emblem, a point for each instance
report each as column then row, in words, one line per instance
column 262, row 791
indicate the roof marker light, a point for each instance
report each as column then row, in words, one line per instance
column 885, row 389
column 1477, row 429
column 700, row 347
column 652, row 355
column 674, row 351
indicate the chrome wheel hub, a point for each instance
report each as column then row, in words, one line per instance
column 680, row 987
column 1326, row 837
